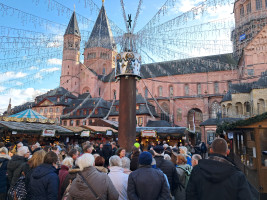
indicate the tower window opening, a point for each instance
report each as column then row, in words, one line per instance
column 242, row 11
column 258, row 4
column 249, row 8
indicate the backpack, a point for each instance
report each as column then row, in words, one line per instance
column 187, row 175
column 18, row 191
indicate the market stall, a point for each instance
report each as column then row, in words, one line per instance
column 249, row 139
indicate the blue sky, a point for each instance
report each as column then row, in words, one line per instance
column 30, row 62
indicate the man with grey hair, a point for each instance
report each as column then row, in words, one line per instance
column 219, row 178
column 195, row 159
column 14, row 166
column 126, row 165
column 118, row 178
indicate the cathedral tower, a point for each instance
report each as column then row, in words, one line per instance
column 100, row 48
column 70, row 78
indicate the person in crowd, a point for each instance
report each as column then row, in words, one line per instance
column 15, row 164
column 4, row 158
column 20, row 144
column 47, row 148
column 189, row 147
column 150, row 146
column 2, row 144
column 114, row 148
column 88, row 148
column 125, row 164
column 63, row 154
column 183, row 150
column 100, row 163
column 118, row 178
column 44, row 181
column 107, row 152
column 165, row 146
column 184, row 171
column 36, row 147
column 167, row 157
column 55, row 149
column 73, row 153
column 67, row 164
column 91, row 179
column 138, row 181
column 167, row 167
column 134, row 158
column 36, row 160
column 218, row 177
column 203, row 149
column 195, row 159
column 99, row 149
column 121, row 152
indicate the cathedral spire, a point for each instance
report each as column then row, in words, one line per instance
column 73, row 28
column 101, row 35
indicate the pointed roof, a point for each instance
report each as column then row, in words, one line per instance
column 101, row 35
column 29, row 113
column 73, row 28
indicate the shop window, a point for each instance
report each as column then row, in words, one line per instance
column 71, row 122
column 84, row 122
column 45, row 110
column 41, row 110
column 65, row 123
column 77, row 122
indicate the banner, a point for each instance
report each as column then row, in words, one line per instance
column 49, row 133
column 148, row 133
column 85, row 134
column 109, row 132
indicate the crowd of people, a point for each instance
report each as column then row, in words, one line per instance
column 105, row 171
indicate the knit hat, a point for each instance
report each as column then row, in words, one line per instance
column 137, row 145
column 158, row 149
column 145, row 158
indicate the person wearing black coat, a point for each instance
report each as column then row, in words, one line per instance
column 107, row 153
column 147, row 183
column 218, row 178
column 44, row 180
column 14, row 166
column 4, row 158
column 134, row 159
column 168, row 168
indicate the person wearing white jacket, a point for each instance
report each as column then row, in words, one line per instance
column 118, row 177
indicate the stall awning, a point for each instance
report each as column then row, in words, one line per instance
column 37, row 128
column 102, row 129
column 75, row 129
column 170, row 131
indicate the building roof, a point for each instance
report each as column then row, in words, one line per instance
column 22, row 107
column 101, row 35
column 29, row 113
column 217, row 121
column 73, row 28
column 102, row 129
column 160, row 123
column 33, row 127
column 162, row 130
column 227, row 97
column 221, row 62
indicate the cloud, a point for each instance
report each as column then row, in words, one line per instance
column 54, row 61
column 33, row 68
column 50, row 69
column 18, row 97
column 38, row 75
column 11, row 75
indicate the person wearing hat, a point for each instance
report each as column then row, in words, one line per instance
column 167, row 167
column 147, row 183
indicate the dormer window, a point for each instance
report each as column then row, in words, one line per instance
column 58, row 99
column 137, row 107
column 66, row 100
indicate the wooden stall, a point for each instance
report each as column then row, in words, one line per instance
column 249, row 146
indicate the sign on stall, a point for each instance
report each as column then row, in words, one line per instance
column 14, row 132
column 148, row 133
column 109, row 132
column 49, row 133
column 85, row 134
